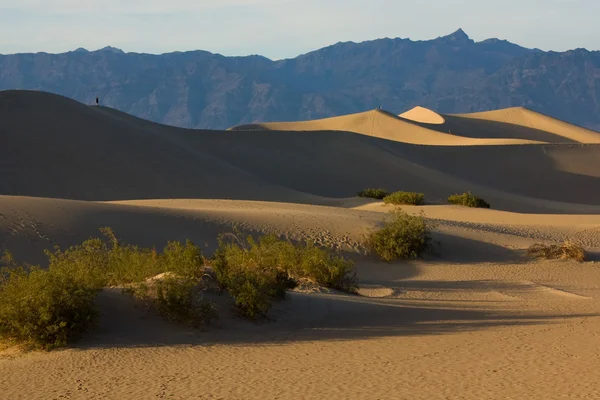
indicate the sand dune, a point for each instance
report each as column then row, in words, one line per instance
column 424, row 115
column 426, row 127
column 522, row 117
column 476, row 320
column 55, row 147
column 384, row 125
column 514, row 123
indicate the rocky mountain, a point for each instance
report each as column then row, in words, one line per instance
column 198, row 89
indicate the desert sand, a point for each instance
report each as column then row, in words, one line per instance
column 478, row 319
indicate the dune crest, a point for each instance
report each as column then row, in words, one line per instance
column 423, row 126
column 424, row 115
column 524, row 117
column 385, row 125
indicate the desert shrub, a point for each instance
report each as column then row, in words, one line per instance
column 253, row 272
column 378, row 194
column 408, row 198
column 566, row 251
column 49, row 307
column 258, row 272
column 404, row 237
column 44, row 308
column 467, row 199
column 180, row 299
column 183, row 260
column 321, row 266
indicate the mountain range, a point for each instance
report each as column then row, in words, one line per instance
column 198, row 89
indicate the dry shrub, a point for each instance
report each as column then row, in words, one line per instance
column 566, row 251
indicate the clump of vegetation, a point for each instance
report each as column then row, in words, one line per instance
column 566, row 251
column 378, row 194
column 467, row 199
column 48, row 307
column 44, row 308
column 408, row 198
column 180, row 300
column 403, row 237
column 256, row 273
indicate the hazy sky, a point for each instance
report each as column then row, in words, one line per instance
column 286, row 28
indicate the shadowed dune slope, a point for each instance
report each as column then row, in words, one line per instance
column 55, row 147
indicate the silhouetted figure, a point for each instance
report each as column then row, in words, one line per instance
column 97, row 101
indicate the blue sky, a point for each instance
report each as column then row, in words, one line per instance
column 285, row 28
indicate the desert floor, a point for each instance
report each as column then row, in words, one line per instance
column 477, row 320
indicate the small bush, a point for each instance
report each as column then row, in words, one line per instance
column 253, row 272
column 44, row 308
column 180, row 300
column 324, row 268
column 378, row 194
column 408, row 198
column 258, row 272
column 567, row 251
column 468, row 200
column 48, row 307
column 404, row 237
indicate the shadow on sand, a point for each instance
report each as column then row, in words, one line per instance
column 310, row 317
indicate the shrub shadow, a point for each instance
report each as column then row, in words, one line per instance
column 307, row 317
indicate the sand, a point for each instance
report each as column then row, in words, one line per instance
column 384, row 125
column 476, row 320
column 424, row 115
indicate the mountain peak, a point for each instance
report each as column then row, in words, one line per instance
column 458, row 37
column 111, row 50
column 80, row 50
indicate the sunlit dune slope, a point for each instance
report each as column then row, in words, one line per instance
column 384, row 125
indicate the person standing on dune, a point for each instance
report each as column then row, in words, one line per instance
column 97, row 101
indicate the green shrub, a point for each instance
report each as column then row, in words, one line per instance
column 322, row 267
column 258, row 272
column 408, row 198
column 378, row 194
column 404, row 237
column 253, row 272
column 48, row 307
column 44, row 308
column 468, row 200
column 180, row 300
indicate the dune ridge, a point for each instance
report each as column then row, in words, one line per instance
column 423, row 126
column 384, row 125
column 424, row 115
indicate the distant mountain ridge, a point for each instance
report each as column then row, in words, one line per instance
column 198, row 89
